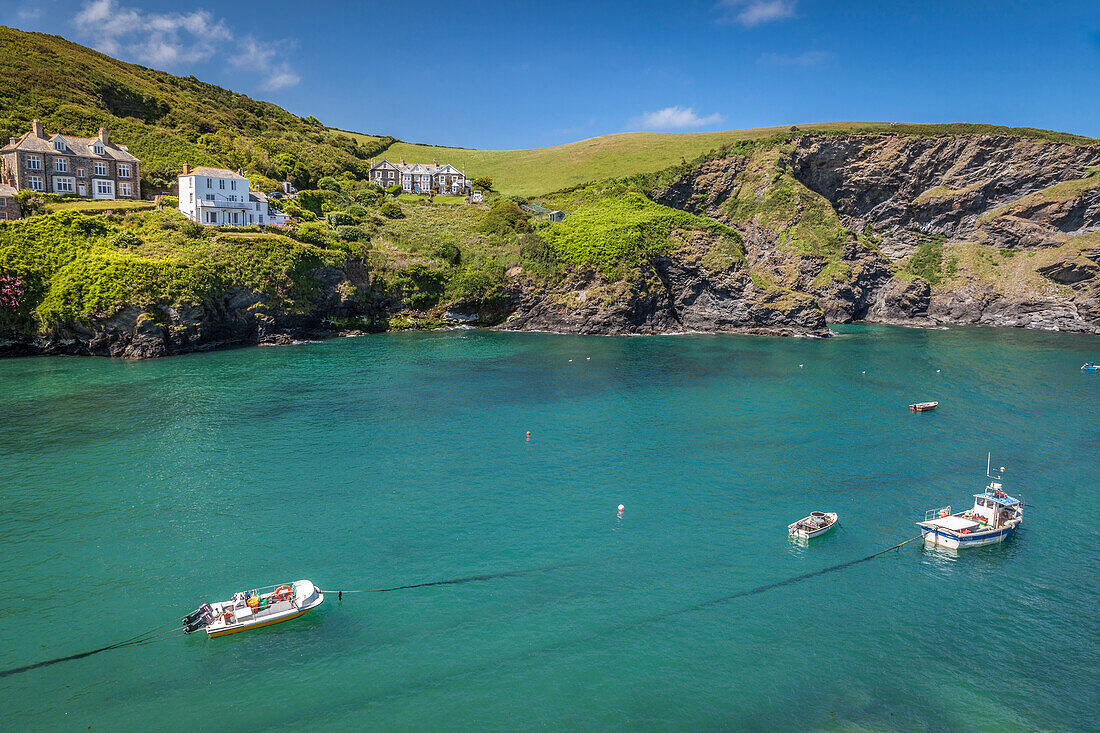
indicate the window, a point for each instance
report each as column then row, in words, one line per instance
column 221, row 184
column 191, row 197
column 100, row 168
column 235, row 217
column 34, row 162
column 35, row 183
column 261, row 217
column 105, row 188
column 209, row 182
column 59, row 145
column 209, row 197
column 233, row 185
column 64, row 184
column 231, row 198
column 81, row 172
column 97, row 149
column 124, row 189
column 123, row 170
column 61, row 165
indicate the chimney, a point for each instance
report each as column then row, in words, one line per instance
column 435, row 161
column 103, row 136
column 11, row 140
column 36, row 128
column 186, row 169
column 402, row 161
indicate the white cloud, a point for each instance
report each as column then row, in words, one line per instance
column 673, row 118
column 174, row 41
column 806, row 58
column 754, row 12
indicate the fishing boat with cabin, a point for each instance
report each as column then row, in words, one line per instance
column 994, row 518
column 254, row 609
column 924, row 406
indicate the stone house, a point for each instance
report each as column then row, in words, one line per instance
column 420, row 177
column 9, row 207
column 90, row 167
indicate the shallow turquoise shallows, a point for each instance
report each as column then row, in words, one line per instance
column 132, row 492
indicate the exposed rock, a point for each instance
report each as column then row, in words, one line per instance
column 1070, row 271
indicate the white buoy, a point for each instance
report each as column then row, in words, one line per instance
column 864, row 371
column 570, row 361
column 621, row 508
column 937, row 371
column 799, row 366
column 588, row 358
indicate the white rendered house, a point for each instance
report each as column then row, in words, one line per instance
column 220, row 197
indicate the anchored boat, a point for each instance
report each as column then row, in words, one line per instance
column 1088, row 366
column 994, row 518
column 254, row 609
column 817, row 523
column 924, row 406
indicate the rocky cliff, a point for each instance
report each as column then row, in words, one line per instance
column 985, row 230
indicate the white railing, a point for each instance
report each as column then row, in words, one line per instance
column 943, row 511
column 223, row 204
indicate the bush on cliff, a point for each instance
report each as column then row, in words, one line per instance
column 616, row 229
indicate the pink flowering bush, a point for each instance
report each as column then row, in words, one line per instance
column 12, row 292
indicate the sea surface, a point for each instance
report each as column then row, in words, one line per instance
column 132, row 492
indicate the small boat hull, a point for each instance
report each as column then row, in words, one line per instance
column 258, row 625
column 803, row 529
column 924, row 406
column 955, row 541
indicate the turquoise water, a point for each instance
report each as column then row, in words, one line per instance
column 132, row 492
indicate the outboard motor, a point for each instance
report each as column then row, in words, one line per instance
column 197, row 619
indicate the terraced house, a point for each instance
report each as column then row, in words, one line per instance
column 421, row 177
column 90, row 167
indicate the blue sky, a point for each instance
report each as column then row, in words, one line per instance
column 530, row 74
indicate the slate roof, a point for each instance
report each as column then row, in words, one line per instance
column 419, row 168
column 31, row 143
column 257, row 196
column 205, row 170
column 6, row 190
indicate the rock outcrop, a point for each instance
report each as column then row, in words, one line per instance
column 930, row 226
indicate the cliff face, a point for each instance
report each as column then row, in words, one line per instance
column 239, row 317
column 972, row 230
column 671, row 293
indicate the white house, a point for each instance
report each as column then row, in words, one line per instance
column 220, row 197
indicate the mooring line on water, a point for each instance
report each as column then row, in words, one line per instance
column 457, row 581
column 786, row 581
column 145, row 637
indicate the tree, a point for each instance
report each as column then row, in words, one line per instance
column 392, row 210
column 485, row 183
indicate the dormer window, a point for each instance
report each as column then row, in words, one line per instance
column 97, row 148
column 59, row 144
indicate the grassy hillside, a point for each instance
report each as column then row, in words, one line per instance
column 165, row 120
column 543, row 170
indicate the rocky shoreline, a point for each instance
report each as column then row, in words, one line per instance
column 1007, row 229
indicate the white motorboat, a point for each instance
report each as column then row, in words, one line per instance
column 994, row 518
column 255, row 609
column 817, row 523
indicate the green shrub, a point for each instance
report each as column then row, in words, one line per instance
column 168, row 202
column 340, row 218
column 420, row 287
column 328, row 183
column 125, row 240
column 349, row 233
column 485, row 183
column 357, row 211
column 367, row 197
column 392, row 210
column 312, row 233
column 504, row 216
column 475, row 280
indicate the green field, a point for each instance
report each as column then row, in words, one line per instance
column 542, row 170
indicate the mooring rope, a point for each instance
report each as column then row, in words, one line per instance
column 457, row 581
column 142, row 638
